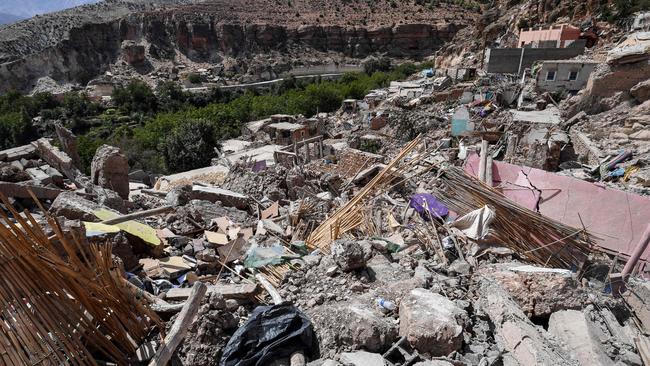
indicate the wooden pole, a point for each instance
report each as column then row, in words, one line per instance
column 483, row 162
column 181, row 325
column 488, row 171
column 138, row 215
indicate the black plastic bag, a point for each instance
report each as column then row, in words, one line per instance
column 271, row 332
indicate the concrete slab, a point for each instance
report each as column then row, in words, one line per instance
column 234, row 146
column 258, row 154
column 226, row 197
column 550, row 115
column 362, row 358
column 209, row 175
column 17, row 153
column 573, row 328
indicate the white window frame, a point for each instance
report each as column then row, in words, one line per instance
column 549, row 73
column 577, row 74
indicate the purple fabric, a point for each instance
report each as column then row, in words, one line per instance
column 423, row 202
column 259, row 166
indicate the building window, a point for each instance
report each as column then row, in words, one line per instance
column 573, row 75
column 550, row 76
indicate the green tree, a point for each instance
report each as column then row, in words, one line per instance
column 135, row 97
column 171, row 96
column 374, row 64
column 190, row 146
column 78, row 105
column 15, row 129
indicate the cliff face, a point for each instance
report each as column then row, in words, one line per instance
column 205, row 39
column 207, row 32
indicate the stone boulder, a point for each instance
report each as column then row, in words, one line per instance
column 530, row 287
column 73, row 207
column 134, row 53
column 431, row 323
column 641, row 91
column 362, row 358
column 110, row 169
column 350, row 254
column 357, row 325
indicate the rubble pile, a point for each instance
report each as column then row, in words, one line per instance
column 444, row 220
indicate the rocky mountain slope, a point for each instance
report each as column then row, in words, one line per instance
column 76, row 45
column 499, row 26
column 22, row 9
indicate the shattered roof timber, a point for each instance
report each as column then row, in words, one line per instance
column 351, row 216
column 536, row 237
column 63, row 309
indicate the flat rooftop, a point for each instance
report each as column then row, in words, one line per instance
column 286, row 126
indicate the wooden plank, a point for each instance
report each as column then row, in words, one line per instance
column 228, row 291
column 138, row 215
column 180, row 326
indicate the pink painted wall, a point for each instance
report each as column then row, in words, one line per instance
column 562, row 32
column 616, row 218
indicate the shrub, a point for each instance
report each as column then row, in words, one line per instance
column 171, row 96
column 190, row 146
column 135, row 97
column 87, row 146
column 15, row 129
column 376, row 64
column 194, row 78
column 78, row 105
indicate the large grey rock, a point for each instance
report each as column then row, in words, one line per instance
column 110, row 169
column 351, row 254
column 362, row 358
column 579, row 336
column 74, row 207
column 356, row 324
column 431, row 323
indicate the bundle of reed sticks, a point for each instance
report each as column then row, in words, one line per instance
column 351, row 215
column 533, row 236
column 63, row 305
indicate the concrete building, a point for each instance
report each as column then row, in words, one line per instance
column 559, row 36
column 641, row 22
column 570, row 75
column 286, row 133
column 516, row 60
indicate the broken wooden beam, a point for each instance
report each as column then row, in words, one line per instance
column 138, row 215
column 180, row 326
column 228, row 291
